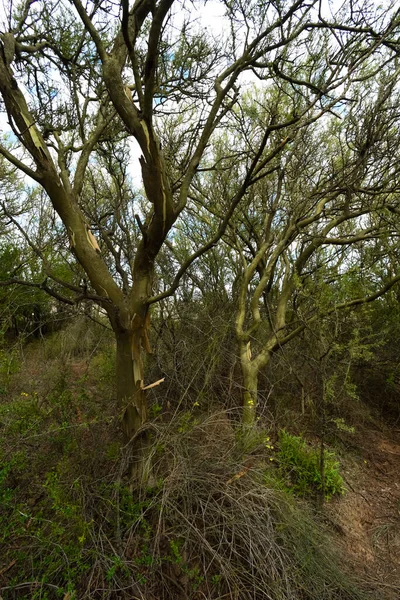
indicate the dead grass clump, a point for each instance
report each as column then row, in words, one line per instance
column 215, row 530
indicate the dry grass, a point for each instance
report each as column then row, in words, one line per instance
column 215, row 530
column 207, row 527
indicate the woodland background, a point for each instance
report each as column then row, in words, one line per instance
column 199, row 300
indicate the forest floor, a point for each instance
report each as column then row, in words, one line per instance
column 365, row 521
column 367, row 517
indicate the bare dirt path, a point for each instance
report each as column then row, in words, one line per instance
column 367, row 517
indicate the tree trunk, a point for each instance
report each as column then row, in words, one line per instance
column 250, row 398
column 250, row 384
column 131, row 398
column 250, row 370
column 133, row 403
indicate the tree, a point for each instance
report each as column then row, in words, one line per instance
column 78, row 81
column 311, row 232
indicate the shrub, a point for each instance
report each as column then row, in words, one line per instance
column 300, row 468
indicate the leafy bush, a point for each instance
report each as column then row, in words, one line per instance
column 300, row 467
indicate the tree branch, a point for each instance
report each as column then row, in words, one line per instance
column 91, row 29
column 349, row 304
column 20, row 165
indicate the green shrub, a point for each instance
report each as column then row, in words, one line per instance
column 300, row 467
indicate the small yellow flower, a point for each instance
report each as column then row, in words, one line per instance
column 271, row 458
column 24, row 394
column 250, row 402
column 196, row 403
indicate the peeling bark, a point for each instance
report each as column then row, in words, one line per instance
column 131, row 397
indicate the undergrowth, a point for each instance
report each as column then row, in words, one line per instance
column 71, row 527
column 206, row 526
column 300, row 468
